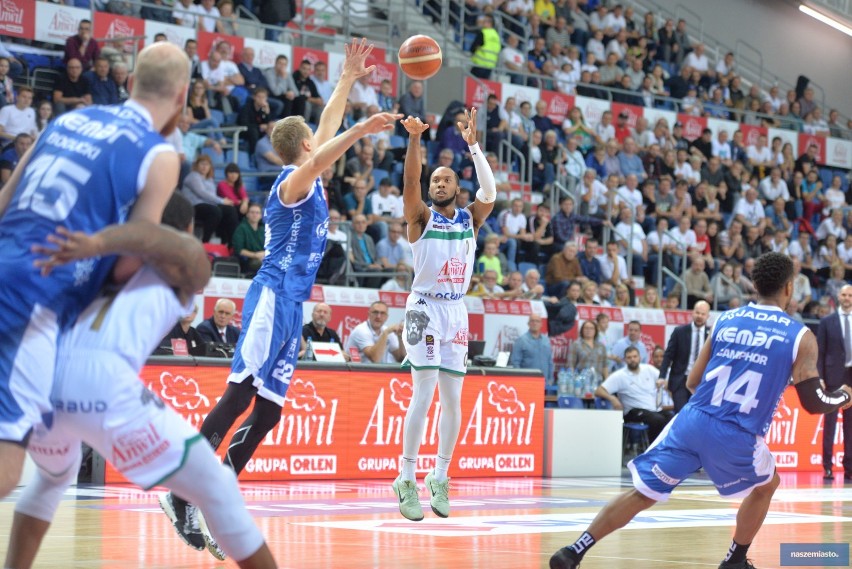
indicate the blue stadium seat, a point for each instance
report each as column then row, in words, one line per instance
column 397, row 141
column 601, row 403
column 379, row 175
column 566, row 402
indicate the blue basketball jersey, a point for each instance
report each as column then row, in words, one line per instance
column 753, row 350
column 295, row 241
column 85, row 173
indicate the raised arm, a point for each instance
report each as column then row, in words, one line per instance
column 482, row 207
column 353, row 68
column 413, row 207
column 298, row 184
column 177, row 257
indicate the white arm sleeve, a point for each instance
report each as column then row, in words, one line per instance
column 488, row 188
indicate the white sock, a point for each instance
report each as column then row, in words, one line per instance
column 408, row 472
column 449, row 390
column 441, row 468
column 425, row 381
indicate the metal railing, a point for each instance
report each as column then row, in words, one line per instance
column 234, row 131
column 716, row 288
column 661, row 270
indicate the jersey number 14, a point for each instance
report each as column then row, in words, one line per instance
column 731, row 392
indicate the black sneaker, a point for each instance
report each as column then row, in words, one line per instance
column 745, row 564
column 185, row 519
column 564, row 559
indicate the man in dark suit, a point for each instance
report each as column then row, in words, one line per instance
column 684, row 346
column 218, row 328
column 834, row 340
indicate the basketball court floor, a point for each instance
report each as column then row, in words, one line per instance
column 496, row 523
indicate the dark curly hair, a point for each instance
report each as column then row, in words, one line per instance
column 771, row 272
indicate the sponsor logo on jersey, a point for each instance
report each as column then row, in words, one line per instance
column 757, row 315
column 138, row 447
column 430, row 346
column 453, row 271
column 461, row 337
column 421, row 301
column 744, row 337
column 82, row 406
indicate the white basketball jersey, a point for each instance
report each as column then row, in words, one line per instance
column 130, row 323
column 444, row 256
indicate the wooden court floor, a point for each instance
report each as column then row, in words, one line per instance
column 497, row 523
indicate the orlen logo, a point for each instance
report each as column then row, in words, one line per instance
column 62, row 23
column 306, row 420
column 11, row 13
column 787, row 459
column 507, row 426
column 181, row 392
column 313, row 464
column 734, row 335
column 514, row 463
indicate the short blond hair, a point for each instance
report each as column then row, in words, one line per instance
column 287, row 137
column 162, row 71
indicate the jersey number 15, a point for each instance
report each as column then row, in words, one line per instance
column 51, row 190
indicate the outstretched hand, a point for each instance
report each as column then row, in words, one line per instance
column 380, row 122
column 356, row 56
column 68, row 246
column 414, row 125
column 468, row 131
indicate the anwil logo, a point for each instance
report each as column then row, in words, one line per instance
column 307, row 418
column 11, row 13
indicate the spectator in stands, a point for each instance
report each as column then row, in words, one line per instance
column 208, row 14
column 562, row 269
column 490, row 259
column 386, row 208
column 71, row 90
column 629, row 161
column 337, row 233
column 626, row 229
column 363, row 95
column 488, row 287
column 412, row 102
column 221, row 77
column 188, row 144
column 218, row 328
column 374, row 341
column 594, row 196
column 613, row 266
column 513, row 60
column 19, row 118
column 104, row 89
column 7, row 91
column 255, row 116
column 726, row 292
column 82, row 47
column 186, row 14
column 513, row 225
column 589, row 262
column 750, row 211
column 633, row 339
column 228, row 23
column 356, row 201
column 201, row 117
column 485, row 48
column 252, row 75
column 184, row 330
column 587, row 351
column 190, row 47
column 212, row 213
column 360, row 168
column 119, row 76
column 697, row 283
column 649, row 299
column 532, row 350
column 317, row 330
column 394, row 250
column 308, row 102
column 363, row 254
column 832, row 225
column 156, row 14
column 276, row 14
column 324, row 86
column 10, row 158
column 400, row 282
column 452, row 139
column 248, row 240
column 232, row 187
column 266, row 158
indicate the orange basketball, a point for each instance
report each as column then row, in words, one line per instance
column 420, row 57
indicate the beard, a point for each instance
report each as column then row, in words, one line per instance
column 632, row 366
column 444, row 203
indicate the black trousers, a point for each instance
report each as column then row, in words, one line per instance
column 680, row 394
column 656, row 420
column 828, row 431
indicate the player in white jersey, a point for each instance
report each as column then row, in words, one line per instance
column 443, row 242
column 98, row 398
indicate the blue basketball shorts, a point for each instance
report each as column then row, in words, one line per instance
column 269, row 342
column 736, row 461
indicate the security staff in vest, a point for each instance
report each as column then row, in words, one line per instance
column 485, row 48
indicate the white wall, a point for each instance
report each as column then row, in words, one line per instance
column 792, row 43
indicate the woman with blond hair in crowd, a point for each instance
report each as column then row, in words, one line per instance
column 587, row 351
column 651, row 298
column 622, row 295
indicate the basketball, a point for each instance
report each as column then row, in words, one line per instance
column 420, row 57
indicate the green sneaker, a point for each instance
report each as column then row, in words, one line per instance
column 439, row 497
column 409, row 500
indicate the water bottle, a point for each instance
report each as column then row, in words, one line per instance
column 587, row 379
column 564, row 382
column 309, row 351
column 578, row 384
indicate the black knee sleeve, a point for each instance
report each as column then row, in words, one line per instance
column 249, row 435
column 234, row 402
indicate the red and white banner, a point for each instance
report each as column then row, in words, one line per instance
column 593, row 109
column 177, row 35
column 805, row 140
column 654, row 115
column 558, row 105
column 633, row 113
column 55, row 23
column 115, row 26
column 313, row 55
column 520, row 93
column 17, row 18
column 476, row 92
column 348, row 425
column 692, row 126
column 208, row 40
column 838, row 153
column 265, row 52
column 751, row 133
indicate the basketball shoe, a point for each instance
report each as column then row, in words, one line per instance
column 409, row 500
column 744, row 564
column 211, row 544
column 185, row 519
column 439, row 497
column 565, row 558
